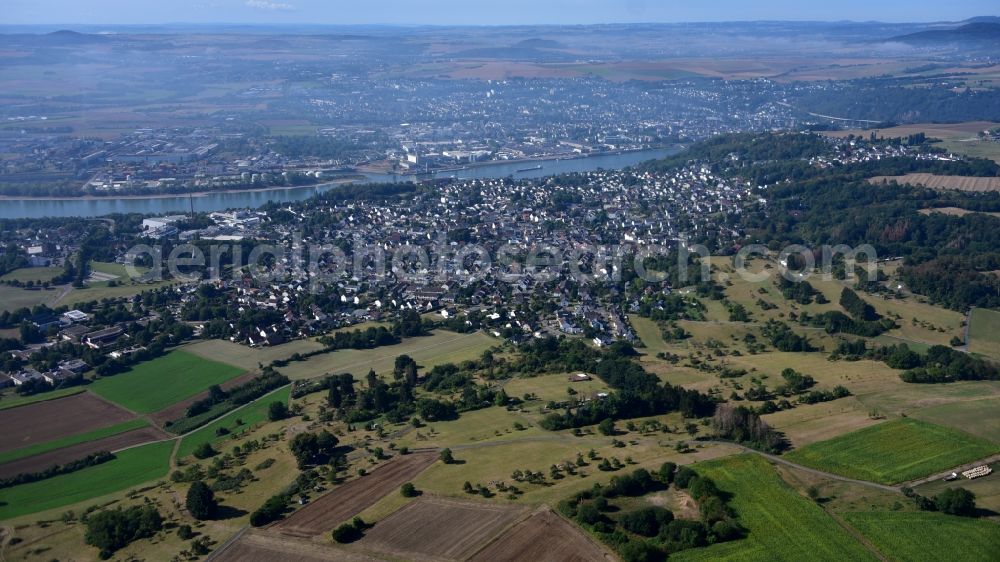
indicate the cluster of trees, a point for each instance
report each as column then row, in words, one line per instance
column 784, row 339
column 92, row 459
column 836, row 322
column 649, row 533
column 311, row 449
column 863, row 319
column 370, row 338
column 744, row 426
column 953, row 501
column 268, row 380
column 940, row 364
column 115, row 529
column 890, row 101
column 637, row 393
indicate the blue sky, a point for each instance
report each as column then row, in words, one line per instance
column 477, row 12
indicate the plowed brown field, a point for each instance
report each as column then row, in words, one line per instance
column 543, row 537
column 354, row 497
column 440, row 529
column 53, row 419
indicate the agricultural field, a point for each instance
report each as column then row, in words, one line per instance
column 116, row 442
column 928, row 537
column 57, row 419
column 984, row 332
column 250, row 415
column 542, row 536
column 69, row 441
column 933, row 181
column 348, row 500
column 893, row 452
column 130, row 468
column 14, row 400
column 154, row 385
column 440, row 528
column 782, row 524
column 978, row 417
column 255, row 546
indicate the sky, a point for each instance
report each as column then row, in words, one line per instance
column 478, row 12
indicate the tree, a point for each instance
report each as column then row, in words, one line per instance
column 956, row 501
column 409, row 491
column 446, row 456
column 200, row 502
column 204, row 451
column 277, row 411
column 606, row 427
column 114, row 529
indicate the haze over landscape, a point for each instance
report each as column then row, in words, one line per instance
column 449, row 281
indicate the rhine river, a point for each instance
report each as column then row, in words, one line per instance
column 95, row 207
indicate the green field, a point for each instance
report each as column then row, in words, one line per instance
column 47, row 446
column 35, row 274
column 895, row 451
column 13, row 400
column 930, row 537
column 984, row 332
column 782, row 524
column 154, row 385
column 131, row 468
column 253, row 413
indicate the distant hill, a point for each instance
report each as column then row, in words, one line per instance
column 980, row 33
column 67, row 37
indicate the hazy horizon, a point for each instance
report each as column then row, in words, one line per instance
column 453, row 12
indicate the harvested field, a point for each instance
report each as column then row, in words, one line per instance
column 177, row 410
column 543, row 537
column 52, row 419
column 38, row 463
column 352, row 498
column 954, row 212
column 256, row 546
column 438, row 528
column 933, row 181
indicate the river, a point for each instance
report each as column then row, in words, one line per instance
column 95, row 207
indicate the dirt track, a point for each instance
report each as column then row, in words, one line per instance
column 352, row 498
column 38, row 463
column 440, row 529
column 178, row 410
column 543, row 537
column 53, row 419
